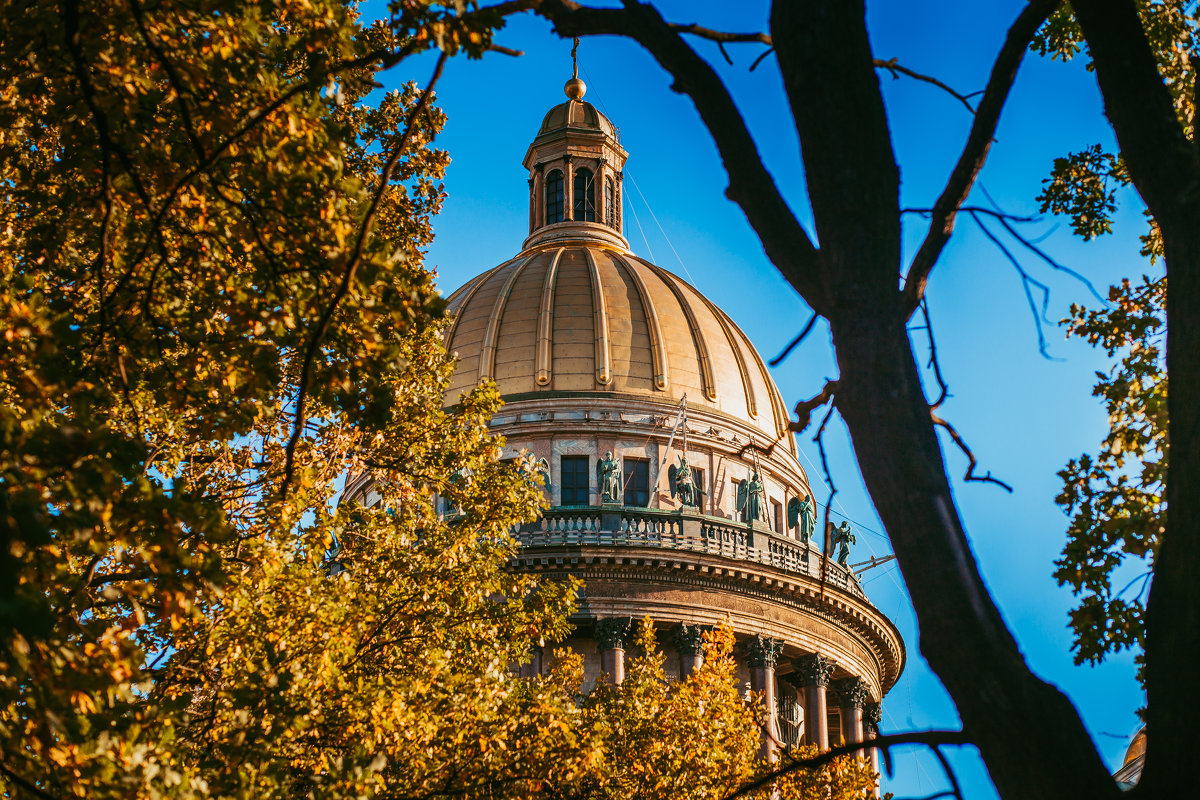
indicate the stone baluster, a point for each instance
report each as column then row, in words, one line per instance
column 611, row 635
column 872, row 715
column 852, row 693
column 689, row 642
column 813, row 672
column 761, row 655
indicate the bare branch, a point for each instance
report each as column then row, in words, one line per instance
column 882, row 743
column 826, row 545
column 759, row 60
column 352, row 265
column 1027, row 283
column 896, row 69
column 719, row 36
column 805, row 408
column 944, row 391
column 975, row 151
column 927, row 212
column 794, row 343
column 955, row 789
column 1005, row 219
column 972, row 461
column 508, row 51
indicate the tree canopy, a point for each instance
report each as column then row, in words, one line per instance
column 215, row 308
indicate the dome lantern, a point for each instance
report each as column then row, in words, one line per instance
column 575, row 165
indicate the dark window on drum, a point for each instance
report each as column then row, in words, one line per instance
column 637, row 482
column 575, row 480
column 554, row 197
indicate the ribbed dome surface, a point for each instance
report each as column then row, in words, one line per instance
column 576, row 114
column 583, row 318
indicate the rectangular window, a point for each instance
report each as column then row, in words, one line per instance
column 698, row 476
column 777, row 516
column 637, row 482
column 575, row 481
column 736, row 513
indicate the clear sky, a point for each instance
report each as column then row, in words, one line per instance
column 1023, row 414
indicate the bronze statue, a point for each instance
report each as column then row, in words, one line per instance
column 608, row 474
column 802, row 515
column 843, row 539
column 752, row 499
column 683, row 484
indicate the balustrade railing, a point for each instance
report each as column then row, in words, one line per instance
column 643, row 527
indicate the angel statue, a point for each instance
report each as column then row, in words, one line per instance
column 843, row 538
column 608, row 474
column 683, row 484
column 752, row 499
column 802, row 515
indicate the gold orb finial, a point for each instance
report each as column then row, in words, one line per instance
column 575, row 89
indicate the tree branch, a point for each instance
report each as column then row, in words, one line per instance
column 352, row 264
column 884, row 743
column 975, row 151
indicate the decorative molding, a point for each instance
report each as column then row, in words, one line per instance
column 689, row 639
column 852, row 692
column 545, row 350
column 599, row 322
column 814, row 669
column 707, row 379
column 763, row 651
column 487, row 355
column 658, row 348
column 613, row 632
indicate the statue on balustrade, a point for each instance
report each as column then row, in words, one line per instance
column 842, row 539
column 683, row 484
column 802, row 515
column 608, row 474
column 752, row 499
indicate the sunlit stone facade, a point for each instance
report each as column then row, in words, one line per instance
column 596, row 351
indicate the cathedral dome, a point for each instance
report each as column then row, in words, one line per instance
column 581, row 317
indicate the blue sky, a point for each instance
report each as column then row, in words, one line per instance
column 1023, row 414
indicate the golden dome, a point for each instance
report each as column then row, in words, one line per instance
column 583, row 317
column 576, row 114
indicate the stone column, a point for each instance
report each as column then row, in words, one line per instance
column 534, row 667
column 852, row 693
column 568, row 188
column 872, row 714
column 761, row 655
column 611, row 635
column 689, row 641
column 813, row 671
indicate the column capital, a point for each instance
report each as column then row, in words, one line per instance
column 814, row 669
column 872, row 716
column 613, row 632
column 852, row 692
column 689, row 639
column 762, row 651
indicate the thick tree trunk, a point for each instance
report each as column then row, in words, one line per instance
column 1028, row 733
column 1173, row 609
column 1165, row 167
